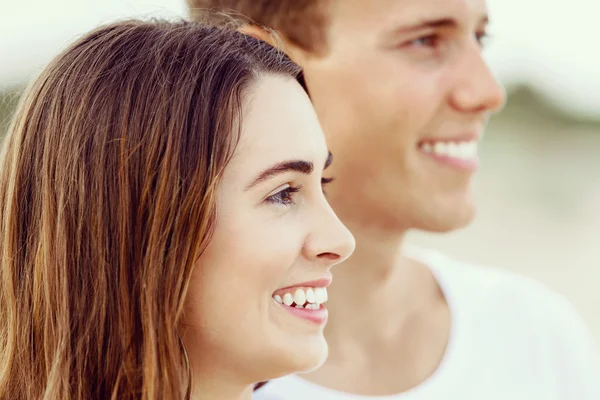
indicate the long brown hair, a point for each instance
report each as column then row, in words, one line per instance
column 107, row 197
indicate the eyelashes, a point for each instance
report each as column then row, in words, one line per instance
column 285, row 196
column 325, row 182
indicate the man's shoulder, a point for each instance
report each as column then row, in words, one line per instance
column 516, row 317
column 491, row 281
column 498, row 291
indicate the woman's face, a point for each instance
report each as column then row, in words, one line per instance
column 255, row 301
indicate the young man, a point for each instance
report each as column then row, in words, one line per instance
column 403, row 95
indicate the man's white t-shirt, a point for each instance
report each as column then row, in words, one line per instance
column 511, row 338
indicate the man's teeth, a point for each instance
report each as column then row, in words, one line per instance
column 309, row 298
column 461, row 150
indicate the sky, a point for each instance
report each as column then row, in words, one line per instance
column 551, row 46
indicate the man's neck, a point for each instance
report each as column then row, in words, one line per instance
column 377, row 290
column 389, row 322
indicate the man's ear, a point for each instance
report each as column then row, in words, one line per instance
column 274, row 39
column 259, row 33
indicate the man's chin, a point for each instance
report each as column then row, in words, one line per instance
column 445, row 221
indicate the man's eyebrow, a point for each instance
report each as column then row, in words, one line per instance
column 302, row 166
column 426, row 23
column 442, row 22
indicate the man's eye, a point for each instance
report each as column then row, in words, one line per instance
column 426, row 41
column 483, row 38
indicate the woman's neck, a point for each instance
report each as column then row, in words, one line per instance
column 222, row 389
column 211, row 377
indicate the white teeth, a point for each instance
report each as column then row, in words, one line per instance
column 320, row 295
column 310, row 295
column 468, row 150
column 461, row 150
column 300, row 297
column 288, row 299
column 453, row 149
column 440, row 148
column 309, row 298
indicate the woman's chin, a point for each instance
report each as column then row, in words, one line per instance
column 314, row 357
column 302, row 357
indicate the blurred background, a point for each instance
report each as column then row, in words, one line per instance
column 539, row 186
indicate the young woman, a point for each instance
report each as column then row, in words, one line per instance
column 164, row 233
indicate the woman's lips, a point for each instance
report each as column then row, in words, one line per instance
column 305, row 301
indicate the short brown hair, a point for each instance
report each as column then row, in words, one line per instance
column 108, row 182
column 302, row 22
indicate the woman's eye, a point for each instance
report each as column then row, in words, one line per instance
column 325, row 182
column 285, row 196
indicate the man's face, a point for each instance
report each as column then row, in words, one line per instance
column 403, row 95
